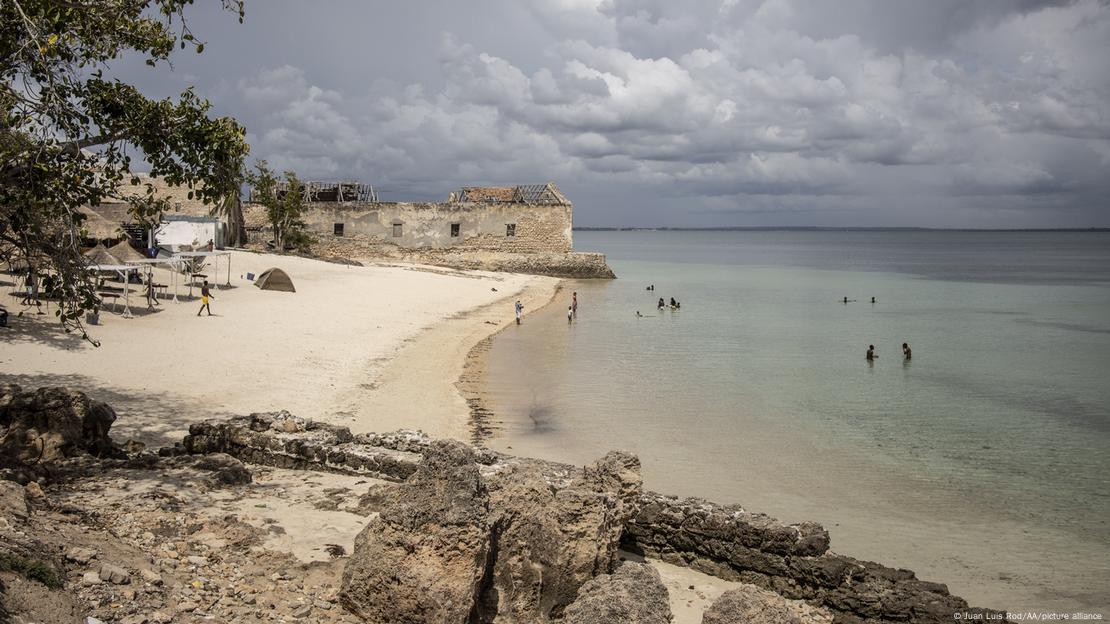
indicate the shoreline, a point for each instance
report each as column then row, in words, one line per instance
column 472, row 380
column 440, row 354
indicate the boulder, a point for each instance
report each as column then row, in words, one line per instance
column 550, row 538
column 225, row 469
column 749, row 604
column 634, row 594
column 13, row 501
column 422, row 558
column 50, row 424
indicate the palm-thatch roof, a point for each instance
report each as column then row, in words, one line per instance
column 101, row 255
column 125, row 252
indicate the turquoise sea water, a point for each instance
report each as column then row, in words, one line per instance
column 983, row 462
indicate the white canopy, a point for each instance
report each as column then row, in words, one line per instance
column 110, row 267
column 201, row 254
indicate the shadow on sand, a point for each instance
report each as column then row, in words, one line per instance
column 155, row 419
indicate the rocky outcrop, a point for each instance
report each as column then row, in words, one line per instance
column 51, row 424
column 791, row 560
column 423, row 557
column 285, row 441
column 541, row 514
column 550, row 537
column 633, row 594
column 751, row 605
column 513, row 542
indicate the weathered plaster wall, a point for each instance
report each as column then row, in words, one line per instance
column 482, row 226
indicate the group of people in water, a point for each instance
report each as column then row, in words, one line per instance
column 907, row 353
column 662, row 303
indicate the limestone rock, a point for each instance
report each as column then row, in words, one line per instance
column 634, row 594
column 549, row 540
column 748, row 604
column 422, row 558
column 114, row 574
column 50, row 424
column 225, row 469
column 13, row 500
column 80, row 555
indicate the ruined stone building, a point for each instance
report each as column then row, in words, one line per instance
column 525, row 228
column 348, row 219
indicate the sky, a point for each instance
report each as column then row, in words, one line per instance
column 650, row 113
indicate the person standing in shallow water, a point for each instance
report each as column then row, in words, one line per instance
column 570, row 314
column 906, row 351
column 519, row 307
column 871, row 353
column 205, row 293
column 574, row 303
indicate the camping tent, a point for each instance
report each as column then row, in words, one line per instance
column 101, row 255
column 125, row 252
column 275, row 279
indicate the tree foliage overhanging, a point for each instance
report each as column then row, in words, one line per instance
column 67, row 131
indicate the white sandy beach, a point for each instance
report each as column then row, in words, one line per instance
column 322, row 352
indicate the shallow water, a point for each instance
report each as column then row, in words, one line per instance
column 982, row 462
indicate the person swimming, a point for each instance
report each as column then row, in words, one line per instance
column 638, row 315
column 906, row 351
column 871, row 353
column 872, row 300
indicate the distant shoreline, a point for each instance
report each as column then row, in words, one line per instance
column 784, row 228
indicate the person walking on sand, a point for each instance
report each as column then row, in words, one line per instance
column 519, row 307
column 574, row 303
column 151, row 300
column 205, row 294
column 871, row 353
column 906, row 351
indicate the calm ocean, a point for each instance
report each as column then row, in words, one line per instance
column 984, row 462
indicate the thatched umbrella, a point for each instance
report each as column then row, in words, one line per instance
column 101, row 255
column 125, row 252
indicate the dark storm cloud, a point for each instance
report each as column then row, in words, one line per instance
column 652, row 112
